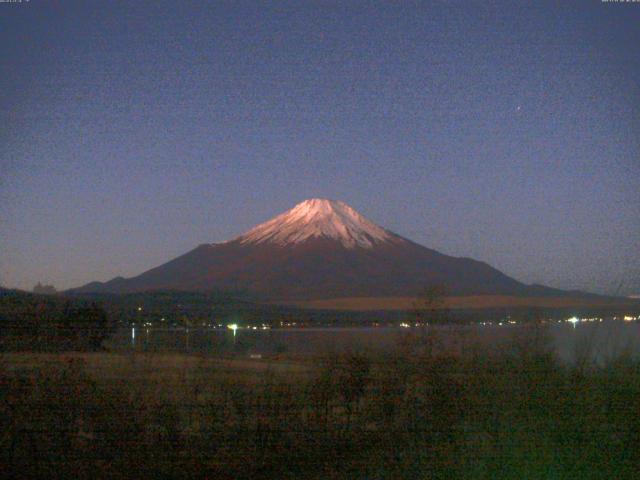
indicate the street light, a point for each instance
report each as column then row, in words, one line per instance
column 234, row 327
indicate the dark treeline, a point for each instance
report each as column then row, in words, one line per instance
column 51, row 323
column 214, row 307
column 84, row 321
column 205, row 308
column 415, row 413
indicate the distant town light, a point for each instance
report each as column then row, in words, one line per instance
column 573, row 320
column 234, row 327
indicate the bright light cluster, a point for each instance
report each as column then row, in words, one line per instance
column 575, row 320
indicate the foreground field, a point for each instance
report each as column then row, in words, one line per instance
column 417, row 412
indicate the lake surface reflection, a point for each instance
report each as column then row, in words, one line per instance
column 600, row 341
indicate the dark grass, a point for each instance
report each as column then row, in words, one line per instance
column 416, row 412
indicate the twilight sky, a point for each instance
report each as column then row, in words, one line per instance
column 134, row 131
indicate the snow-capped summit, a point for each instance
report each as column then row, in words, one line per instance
column 319, row 217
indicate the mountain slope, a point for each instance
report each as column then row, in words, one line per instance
column 321, row 249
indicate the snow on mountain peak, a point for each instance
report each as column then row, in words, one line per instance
column 319, row 218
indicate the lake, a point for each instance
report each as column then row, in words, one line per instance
column 598, row 340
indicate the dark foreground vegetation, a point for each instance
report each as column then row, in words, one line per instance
column 419, row 412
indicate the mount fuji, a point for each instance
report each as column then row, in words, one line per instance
column 321, row 249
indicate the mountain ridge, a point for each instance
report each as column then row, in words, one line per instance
column 321, row 249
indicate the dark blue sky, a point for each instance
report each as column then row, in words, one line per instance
column 134, row 131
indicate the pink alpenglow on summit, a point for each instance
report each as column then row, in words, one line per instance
column 318, row 218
